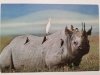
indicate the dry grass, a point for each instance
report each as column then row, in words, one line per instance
column 90, row 62
column 4, row 40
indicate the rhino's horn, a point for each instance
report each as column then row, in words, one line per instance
column 84, row 26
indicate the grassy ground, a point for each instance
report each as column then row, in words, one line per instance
column 4, row 40
column 90, row 62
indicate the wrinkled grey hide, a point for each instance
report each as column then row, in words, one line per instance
column 33, row 53
column 28, row 51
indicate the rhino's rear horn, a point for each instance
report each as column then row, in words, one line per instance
column 82, row 26
column 72, row 28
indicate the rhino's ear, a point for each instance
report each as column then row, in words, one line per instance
column 67, row 31
column 72, row 28
column 89, row 31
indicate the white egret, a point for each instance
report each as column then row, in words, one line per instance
column 47, row 30
column 48, row 26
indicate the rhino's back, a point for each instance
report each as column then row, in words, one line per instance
column 22, row 40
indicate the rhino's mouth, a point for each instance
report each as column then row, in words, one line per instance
column 81, row 51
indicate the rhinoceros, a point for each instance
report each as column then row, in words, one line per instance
column 60, row 48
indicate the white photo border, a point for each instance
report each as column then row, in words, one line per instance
column 91, row 2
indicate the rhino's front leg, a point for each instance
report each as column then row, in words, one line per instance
column 76, row 64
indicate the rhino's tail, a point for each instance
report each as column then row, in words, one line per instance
column 12, row 63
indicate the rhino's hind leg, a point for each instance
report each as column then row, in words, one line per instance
column 12, row 68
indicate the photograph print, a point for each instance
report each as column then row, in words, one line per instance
column 49, row 38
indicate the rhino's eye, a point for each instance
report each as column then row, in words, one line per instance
column 76, row 43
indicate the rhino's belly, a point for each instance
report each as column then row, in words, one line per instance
column 27, row 57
